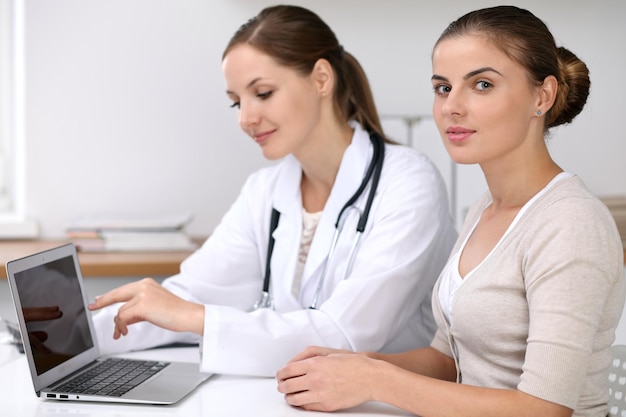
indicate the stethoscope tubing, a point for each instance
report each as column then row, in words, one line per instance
column 373, row 172
column 331, row 252
column 270, row 248
column 351, row 258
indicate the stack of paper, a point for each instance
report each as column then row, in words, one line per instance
column 114, row 233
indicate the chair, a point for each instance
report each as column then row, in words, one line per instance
column 617, row 382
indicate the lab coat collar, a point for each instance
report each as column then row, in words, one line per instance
column 354, row 163
column 288, row 200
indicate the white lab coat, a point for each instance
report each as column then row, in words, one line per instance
column 382, row 305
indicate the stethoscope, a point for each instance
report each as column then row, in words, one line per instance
column 373, row 173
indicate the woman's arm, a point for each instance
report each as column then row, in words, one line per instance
column 427, row 361
column 341, row 380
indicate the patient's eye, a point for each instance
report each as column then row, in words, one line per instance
column 442, row 89
column 483, row 85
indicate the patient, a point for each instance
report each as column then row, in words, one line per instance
column 529, row 301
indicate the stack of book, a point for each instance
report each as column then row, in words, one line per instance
column 98, row 233
column 617, row 206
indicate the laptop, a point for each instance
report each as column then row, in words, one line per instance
column 60, row 341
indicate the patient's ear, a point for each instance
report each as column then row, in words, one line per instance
column 547, row 93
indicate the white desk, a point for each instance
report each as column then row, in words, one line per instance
column 220, row 396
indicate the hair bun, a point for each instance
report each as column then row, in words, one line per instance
column 574, row 85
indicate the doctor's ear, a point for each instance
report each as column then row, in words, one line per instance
column 324, row 77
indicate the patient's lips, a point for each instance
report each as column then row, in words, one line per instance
column 458, row 133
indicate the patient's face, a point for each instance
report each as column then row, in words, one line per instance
column 484, row 101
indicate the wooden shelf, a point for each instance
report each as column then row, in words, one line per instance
column 106, row 264
column 101, row 264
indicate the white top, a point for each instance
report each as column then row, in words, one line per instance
column 309, row 224
column 451, row 279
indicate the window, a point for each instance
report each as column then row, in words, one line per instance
column 12, row 211
column 6, row 95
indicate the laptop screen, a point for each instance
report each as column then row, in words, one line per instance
column 54, row 312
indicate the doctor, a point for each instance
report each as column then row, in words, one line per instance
column 307, row 103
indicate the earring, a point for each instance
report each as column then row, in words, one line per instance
column 538, row 112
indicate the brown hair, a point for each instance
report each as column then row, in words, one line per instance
column 296, row 37
column 527, row 40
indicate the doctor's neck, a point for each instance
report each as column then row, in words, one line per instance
column 320, row 165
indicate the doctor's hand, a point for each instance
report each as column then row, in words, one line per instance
column 147, row 300
column 322, row 379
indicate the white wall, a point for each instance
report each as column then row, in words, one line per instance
column 126, row 111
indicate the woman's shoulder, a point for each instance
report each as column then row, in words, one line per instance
column 571, row 196
column 404, row 152
column 269, row 173
column 412, row 171
column 405, row 159
column 277, row 183
column 571, row 214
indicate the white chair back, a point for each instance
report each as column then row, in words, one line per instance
column 617, row 382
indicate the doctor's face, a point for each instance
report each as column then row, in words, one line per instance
column 484, row 102
column 277, row 107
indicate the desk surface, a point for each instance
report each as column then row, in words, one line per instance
column 101, row 264
column 220, row 396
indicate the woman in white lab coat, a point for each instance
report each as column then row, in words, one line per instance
column 307, row 102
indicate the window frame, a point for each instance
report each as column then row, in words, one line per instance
column 6, row 99
column 13, row 219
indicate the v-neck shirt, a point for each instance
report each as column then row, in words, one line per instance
column 451, row 279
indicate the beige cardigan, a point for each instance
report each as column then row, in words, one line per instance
column 539, row 315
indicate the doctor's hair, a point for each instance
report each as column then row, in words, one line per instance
column 526, row 39
column 297, row 38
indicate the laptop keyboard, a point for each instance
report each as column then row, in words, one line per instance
column 112, row 377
